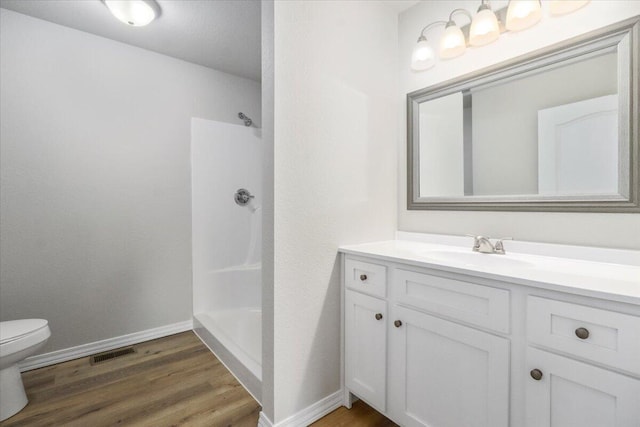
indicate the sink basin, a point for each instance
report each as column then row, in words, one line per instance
column 475, row 259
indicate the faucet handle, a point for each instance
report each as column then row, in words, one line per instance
column 476, row 241
column 499, row 246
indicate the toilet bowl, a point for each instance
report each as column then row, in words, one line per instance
column 19, row 339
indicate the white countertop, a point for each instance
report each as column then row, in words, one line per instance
column 599, row 272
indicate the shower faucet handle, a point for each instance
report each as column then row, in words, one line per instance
column 247, row 120
column 243, row 196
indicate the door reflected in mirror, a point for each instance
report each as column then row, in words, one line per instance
column 555, row 130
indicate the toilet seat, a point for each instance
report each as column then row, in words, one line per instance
column 16, row 335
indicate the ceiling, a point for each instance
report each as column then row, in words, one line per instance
column 220, row 34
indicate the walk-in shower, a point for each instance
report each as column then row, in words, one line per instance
column 226, row 238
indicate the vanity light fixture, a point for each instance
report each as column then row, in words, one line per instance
column 485, row 27
column 453, row 43
column 136, row 13
column 423, row 56
column 561, row 7
column 522, row 14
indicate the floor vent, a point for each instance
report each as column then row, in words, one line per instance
column 108, row 355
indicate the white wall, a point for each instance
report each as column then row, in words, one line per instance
column 609, row 230
column 268, row 251
column 442, row 147
column 334, row 178
column 95, row 216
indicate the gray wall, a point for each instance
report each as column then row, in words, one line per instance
column 608, row 230
column 505, row 121
column 95, row 200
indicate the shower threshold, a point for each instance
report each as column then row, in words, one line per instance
column 235, row 337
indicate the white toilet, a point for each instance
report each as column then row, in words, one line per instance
column 19, row 339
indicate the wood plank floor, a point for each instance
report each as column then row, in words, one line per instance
column 169, row 381
column 360, row 415
column 172, row 381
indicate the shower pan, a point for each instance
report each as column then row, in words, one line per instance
column 226, row 173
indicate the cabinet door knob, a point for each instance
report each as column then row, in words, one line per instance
column 582, row 333
column 397, row 323
column 363, row 277
column 536, row 374
column 378, row 316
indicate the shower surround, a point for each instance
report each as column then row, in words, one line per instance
column 226, row 241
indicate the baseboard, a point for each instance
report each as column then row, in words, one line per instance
column 309, row 414
column 64, row 355
column 264, row 421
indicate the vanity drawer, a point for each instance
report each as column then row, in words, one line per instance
column 601, row 336
column 466, row 301
column 365, row 277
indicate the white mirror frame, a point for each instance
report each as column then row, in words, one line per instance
column 623, row 37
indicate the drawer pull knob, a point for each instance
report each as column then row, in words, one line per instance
column 582, row 333
column 536, row 374
column 378, row 316
column 397, row 323
column 363, row 277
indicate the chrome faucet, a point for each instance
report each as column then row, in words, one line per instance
column 483, row 245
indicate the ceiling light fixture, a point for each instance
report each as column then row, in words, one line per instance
column 485, row 27
column 136, row 13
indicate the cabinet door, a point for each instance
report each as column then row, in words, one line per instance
column 366, row 347
column 575, row 394
column 446, row 375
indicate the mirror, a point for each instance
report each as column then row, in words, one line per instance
column 556, row 130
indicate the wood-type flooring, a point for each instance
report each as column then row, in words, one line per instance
column 171, row 381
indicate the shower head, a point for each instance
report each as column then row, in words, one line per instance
column 247, row 120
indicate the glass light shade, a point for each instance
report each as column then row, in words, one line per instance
column 423, row 56
column 452, row 43
column 522, row 14
column 560, row 7
column 484, row 28
column 136, row 13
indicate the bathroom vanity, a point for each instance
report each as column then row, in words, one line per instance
column 438, row 335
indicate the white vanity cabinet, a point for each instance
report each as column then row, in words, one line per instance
column 562, row 391
column 566, row 392
column 445, row 374
column 365, row 317
column 420, row 369
column 441, row 372
column 439, row 348
column 366, row 347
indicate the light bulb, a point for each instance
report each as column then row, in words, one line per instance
column 484, row 27
column 522, row 14
column 136, row 13
column 452, row 43
column 423, row 56
column 560, row 7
